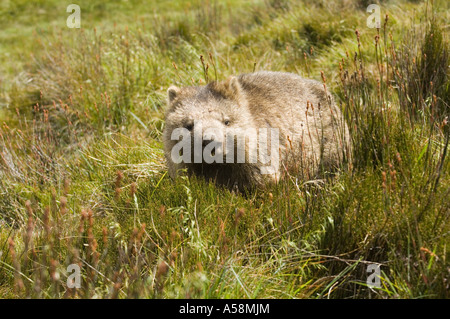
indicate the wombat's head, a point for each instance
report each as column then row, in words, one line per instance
column 207, row 114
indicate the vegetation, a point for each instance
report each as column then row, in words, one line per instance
column 83, row 180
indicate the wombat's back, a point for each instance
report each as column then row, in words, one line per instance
column 281, row 98
column 311, row 126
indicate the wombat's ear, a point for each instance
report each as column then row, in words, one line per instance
column 173, row 92
column 230, row 88
column 233, row 86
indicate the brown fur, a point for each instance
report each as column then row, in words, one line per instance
column 312, row 134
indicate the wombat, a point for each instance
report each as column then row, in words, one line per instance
column 253, row 128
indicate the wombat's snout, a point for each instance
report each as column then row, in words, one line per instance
column 213, row 147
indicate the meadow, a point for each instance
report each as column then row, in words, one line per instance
column 83, row 179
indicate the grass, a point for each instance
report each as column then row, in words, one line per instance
column 83, row 180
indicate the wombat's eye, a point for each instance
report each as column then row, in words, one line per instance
column 227, row 122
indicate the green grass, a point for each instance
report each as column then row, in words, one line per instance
column 83, row 179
